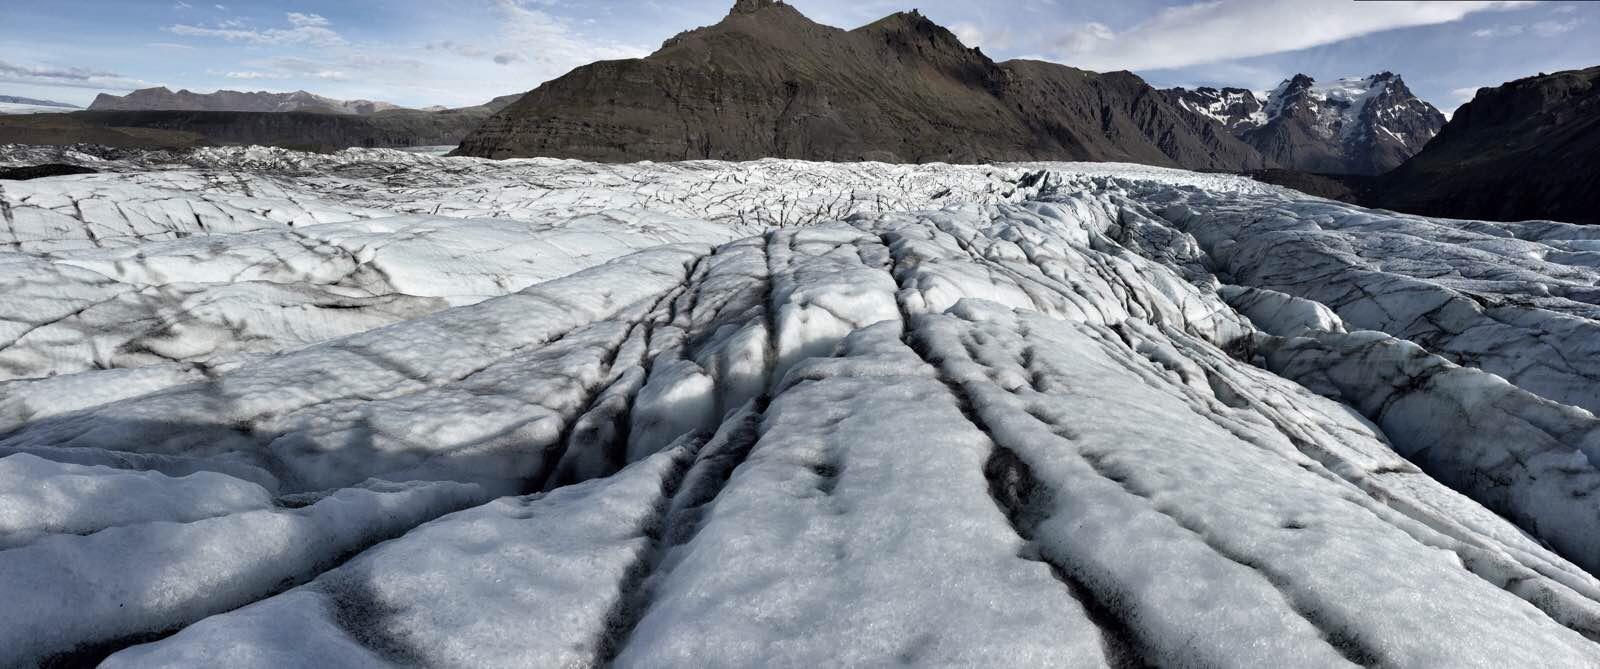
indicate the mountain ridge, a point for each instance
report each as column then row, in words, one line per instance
column 1543, row 130
column 766, row 81
column 15, row 100
column 161, row 98
column 1361, row 126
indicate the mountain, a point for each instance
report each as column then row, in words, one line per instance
column 768, row 82
column 12, row 105
column 1353, row 126
column 12, row 99
column 299, row 130
column 327, row 126
column 1528, row 149
column 1237, row 109
column 161, row 98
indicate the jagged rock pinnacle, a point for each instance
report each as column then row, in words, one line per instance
column 752, row 6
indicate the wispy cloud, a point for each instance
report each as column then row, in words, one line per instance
column 308, row 29
column 74, row 77
column 1540, row 28
column 1220, row 30
column 250, row 74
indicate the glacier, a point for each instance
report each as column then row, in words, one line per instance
column 384, row 408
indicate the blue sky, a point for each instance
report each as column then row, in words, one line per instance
column 461, row 52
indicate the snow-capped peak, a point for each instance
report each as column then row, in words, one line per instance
column 1337, row 109
column 1363, row 125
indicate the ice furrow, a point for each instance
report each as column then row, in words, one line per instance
column 573, row 554
column 1069, row 415
column 826, row 493
column 131, row 581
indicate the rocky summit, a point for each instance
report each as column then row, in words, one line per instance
column 768, row 82
column 1364, row 126
column 1353, row 126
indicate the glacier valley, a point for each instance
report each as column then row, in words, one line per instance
column 261, row 408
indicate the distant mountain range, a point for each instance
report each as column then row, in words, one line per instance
column 161, row 98
column 1361, row 126
column 767, row 81
column 14, row 100
column 309, row 130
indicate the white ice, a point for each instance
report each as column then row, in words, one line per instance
column 383, row 408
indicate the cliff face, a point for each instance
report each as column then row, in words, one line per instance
column 1524, row 150
column 768, row 82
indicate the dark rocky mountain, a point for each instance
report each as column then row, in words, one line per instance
column 12, row 99
column 1237, row 109
column 27, row 172
column 1353, row 126
column 1528, row 149
column 767, row 81
column 296, row 130
column 151, row 99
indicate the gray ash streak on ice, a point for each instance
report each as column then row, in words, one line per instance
column 782, row 412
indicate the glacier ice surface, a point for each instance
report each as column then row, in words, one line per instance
column 384, row 408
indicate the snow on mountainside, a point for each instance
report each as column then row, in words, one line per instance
column 10, row 104
column 1237, row 109
column 240, row 101
column 19, row 108
column 378, row 408
column 1351, row 126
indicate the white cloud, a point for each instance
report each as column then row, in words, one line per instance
column 180, row 4
column 1498, row 31
column 1463, row 94
column 329, row 75
column 305, row 20
column 508, row 46
column 1219, row 30
column 253, row 75
column 309, row 29
column 544, row 40
column 71, row 77
column 1088, row 38
column 972, row 35
column 1553, row 28
column 1541, row 28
